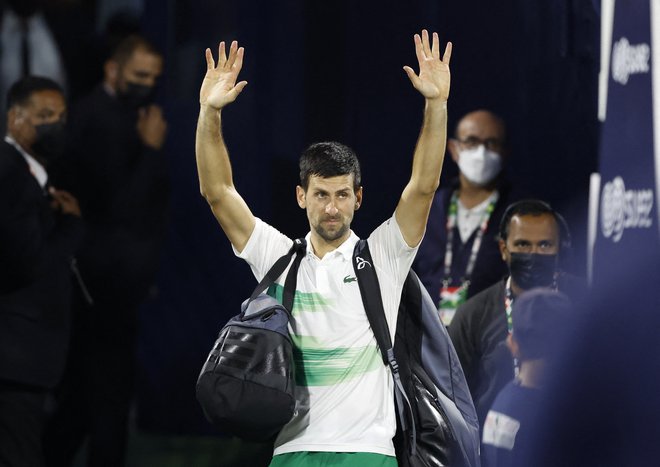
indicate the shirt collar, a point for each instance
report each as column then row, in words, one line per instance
column 345, row 249
column 36, row 169
column 481, row 206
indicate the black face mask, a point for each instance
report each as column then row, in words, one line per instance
column 529, row 270
column 136, row 95
column 50, row 141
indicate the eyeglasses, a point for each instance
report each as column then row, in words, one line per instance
column 472, row 142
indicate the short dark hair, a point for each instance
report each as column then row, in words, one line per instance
column 125, row 49
column 329, row 159
column 20, row 92
column 534, row 207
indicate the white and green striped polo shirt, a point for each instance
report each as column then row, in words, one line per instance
column 343, row 390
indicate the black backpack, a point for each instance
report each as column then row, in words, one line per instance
column 246, row 385
column 436, row 421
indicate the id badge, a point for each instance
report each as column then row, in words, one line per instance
column 450, row 299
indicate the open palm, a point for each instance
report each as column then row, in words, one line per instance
column 434, row 78
column 219, row 87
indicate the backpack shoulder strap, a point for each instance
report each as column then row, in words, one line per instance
column 298, row 249
column 371, row 297
column 373, row 305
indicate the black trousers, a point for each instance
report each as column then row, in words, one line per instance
column 22, row 417
column 95, row 396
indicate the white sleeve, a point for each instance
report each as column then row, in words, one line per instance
column 392, row 259
column 265, row 246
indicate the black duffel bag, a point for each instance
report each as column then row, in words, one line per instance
column 246, row 386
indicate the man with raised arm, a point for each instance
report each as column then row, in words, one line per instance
column 345, row 408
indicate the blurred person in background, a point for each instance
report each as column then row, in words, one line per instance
column 120, row 176
column 540, row 318
column 459, row 256
column 49, row 38
column 532, row 239
column 602, row 398
column 40, row 229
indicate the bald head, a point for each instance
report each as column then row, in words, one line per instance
column 483, row 124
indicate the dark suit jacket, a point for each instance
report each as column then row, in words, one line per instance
column 123, row 189
column 36, row 245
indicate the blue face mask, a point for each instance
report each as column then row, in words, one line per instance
column 529, row 270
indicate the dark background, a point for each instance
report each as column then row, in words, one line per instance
column 333, row 71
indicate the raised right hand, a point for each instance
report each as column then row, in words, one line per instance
column 219, row 87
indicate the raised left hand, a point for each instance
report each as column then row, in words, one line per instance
column 434, row 78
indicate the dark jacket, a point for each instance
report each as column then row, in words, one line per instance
column 36, row 247
column 123, row 188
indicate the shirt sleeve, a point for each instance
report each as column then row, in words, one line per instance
column 264, row 247
column 392, row 259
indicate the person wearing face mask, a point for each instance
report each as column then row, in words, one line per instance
column 50, row 39
column 120, row 176
column 40, row 230
column 531, row 238
column 459, row 256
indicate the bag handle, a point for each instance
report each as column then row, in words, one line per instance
column 373, row 306
column 298, row 248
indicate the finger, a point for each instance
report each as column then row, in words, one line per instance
column 447, row 56
column 435, row 46
column 210, row 63
column 418, row 48
column 232, row 54
column 240, row 86
column 222, row 55
column 238, row 64
column 236, row 90
column 426, row 46
column 414, row 79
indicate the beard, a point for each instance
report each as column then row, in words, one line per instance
column 331, row 235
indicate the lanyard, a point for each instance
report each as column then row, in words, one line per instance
column 476, row 245
column 508, row 308
column 508, row 305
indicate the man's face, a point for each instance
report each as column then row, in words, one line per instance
column 142, row 68
column 43, row 107
column 531, row 234
column 330, row 204
column 480, row 127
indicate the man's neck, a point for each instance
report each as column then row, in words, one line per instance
column 471, row 195
column 531, row 373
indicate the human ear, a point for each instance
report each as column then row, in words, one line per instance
column 300, row 197
column 452, row 146
column 111, row 70
column 358, row 198
column 503, row 250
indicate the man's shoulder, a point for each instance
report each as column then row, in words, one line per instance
column 10, row 160
column 93, row 104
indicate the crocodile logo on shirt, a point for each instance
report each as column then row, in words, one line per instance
column 349, row 279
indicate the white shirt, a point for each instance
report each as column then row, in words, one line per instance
column 36, row 168
column 344, row 391
column 468, row 220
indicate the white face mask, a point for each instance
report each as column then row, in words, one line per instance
column 479, row 165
